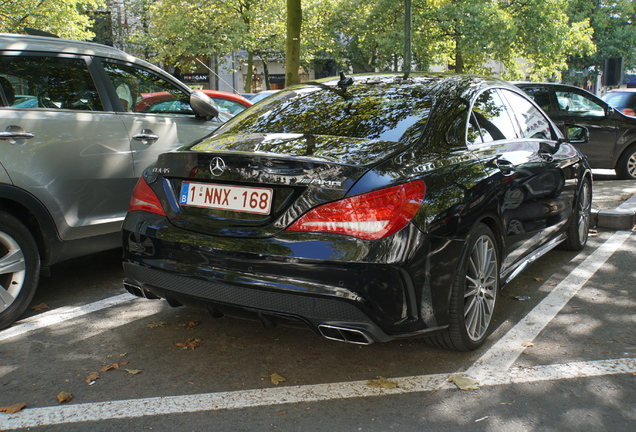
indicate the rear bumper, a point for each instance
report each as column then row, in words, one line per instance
column 342, row 288
column 328, row 317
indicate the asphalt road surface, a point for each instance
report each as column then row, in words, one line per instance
column 563, row 358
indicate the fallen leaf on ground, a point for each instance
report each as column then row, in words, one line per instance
column 190, row 343
column 190, row 324
column 281, row 413
column 12, row 409
column 64, row 397
column 538, row 279
column 93, row 376
column 109, row 367
column 155, row 324
column 382, row 382
column 123, row 363
column 133, row 371
column 463, row 382
column 277, row 379
column 40, row 307
column 527, row 344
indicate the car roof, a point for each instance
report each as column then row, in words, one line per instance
column 436, row 82
column 16, row 42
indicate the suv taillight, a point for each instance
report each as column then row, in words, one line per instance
column 143, row 198
column 369, row 216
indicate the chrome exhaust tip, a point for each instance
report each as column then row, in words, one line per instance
column 344, row 334
column 138, row 291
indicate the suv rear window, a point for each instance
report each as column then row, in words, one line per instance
column 48, row 82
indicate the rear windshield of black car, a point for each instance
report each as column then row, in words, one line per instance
column 385, row 111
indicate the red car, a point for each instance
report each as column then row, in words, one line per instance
column 163, row 102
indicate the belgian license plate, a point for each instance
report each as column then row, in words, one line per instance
column 224, row 197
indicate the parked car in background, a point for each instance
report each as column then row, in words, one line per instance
column 262, row 95
column 368, row 208
column 624, row 100
column 71, row 148
column 229, row 104
column 612, row 134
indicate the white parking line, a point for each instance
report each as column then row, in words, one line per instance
column 62, row 314
column 135, row 408
column 493, row 368
column 506, row 350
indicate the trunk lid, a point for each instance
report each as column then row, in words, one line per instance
column 255, row 185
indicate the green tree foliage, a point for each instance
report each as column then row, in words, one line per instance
column 465, row 34
column 182, row 31
column 614, row 35
column 64, row 18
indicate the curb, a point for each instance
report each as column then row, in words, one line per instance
column 621, row 218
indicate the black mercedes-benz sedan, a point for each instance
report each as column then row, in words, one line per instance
column 368, row 208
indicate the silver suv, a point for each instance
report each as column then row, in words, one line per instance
column 79, row 122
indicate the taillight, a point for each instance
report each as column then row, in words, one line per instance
column 629, row 112
column 369, row 216
column 143, row 198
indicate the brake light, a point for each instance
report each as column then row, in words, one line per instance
column 369, row 216
column 143, row 198
column 629, row 112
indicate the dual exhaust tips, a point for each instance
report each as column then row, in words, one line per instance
column 337, row 333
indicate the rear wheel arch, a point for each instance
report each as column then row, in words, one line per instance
column 495, row 225
column 20, row 265
column 38, row 223
column 474, row 288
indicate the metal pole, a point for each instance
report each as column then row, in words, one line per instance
column 408, row 9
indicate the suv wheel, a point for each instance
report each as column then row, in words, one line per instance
column 19, row 269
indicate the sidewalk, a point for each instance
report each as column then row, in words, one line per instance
column 613, row 203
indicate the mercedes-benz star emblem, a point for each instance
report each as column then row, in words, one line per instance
column 217, row 166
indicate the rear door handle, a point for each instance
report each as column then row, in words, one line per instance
column 147, row 137
column 546, row 155
column 16, row 135
column 505, row 166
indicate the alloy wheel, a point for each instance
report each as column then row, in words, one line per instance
column 481, row 288
column 12, row 270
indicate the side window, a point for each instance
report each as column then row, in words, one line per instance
column 143, row 91
column 540, row 96
column 533, row 123
column 577, row 104
column 229, row 106
column 491, row 118
column 47, row 82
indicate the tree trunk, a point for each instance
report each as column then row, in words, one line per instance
column 250, row 71
column 459, row 60
column 266, row 74
column 292, row 55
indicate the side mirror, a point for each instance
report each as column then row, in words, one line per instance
column 576, row 134
column 203, row 105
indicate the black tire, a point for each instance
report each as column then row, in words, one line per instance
column 19, row 269
column 626, row 165
column 474, row 294
column 579, row 224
